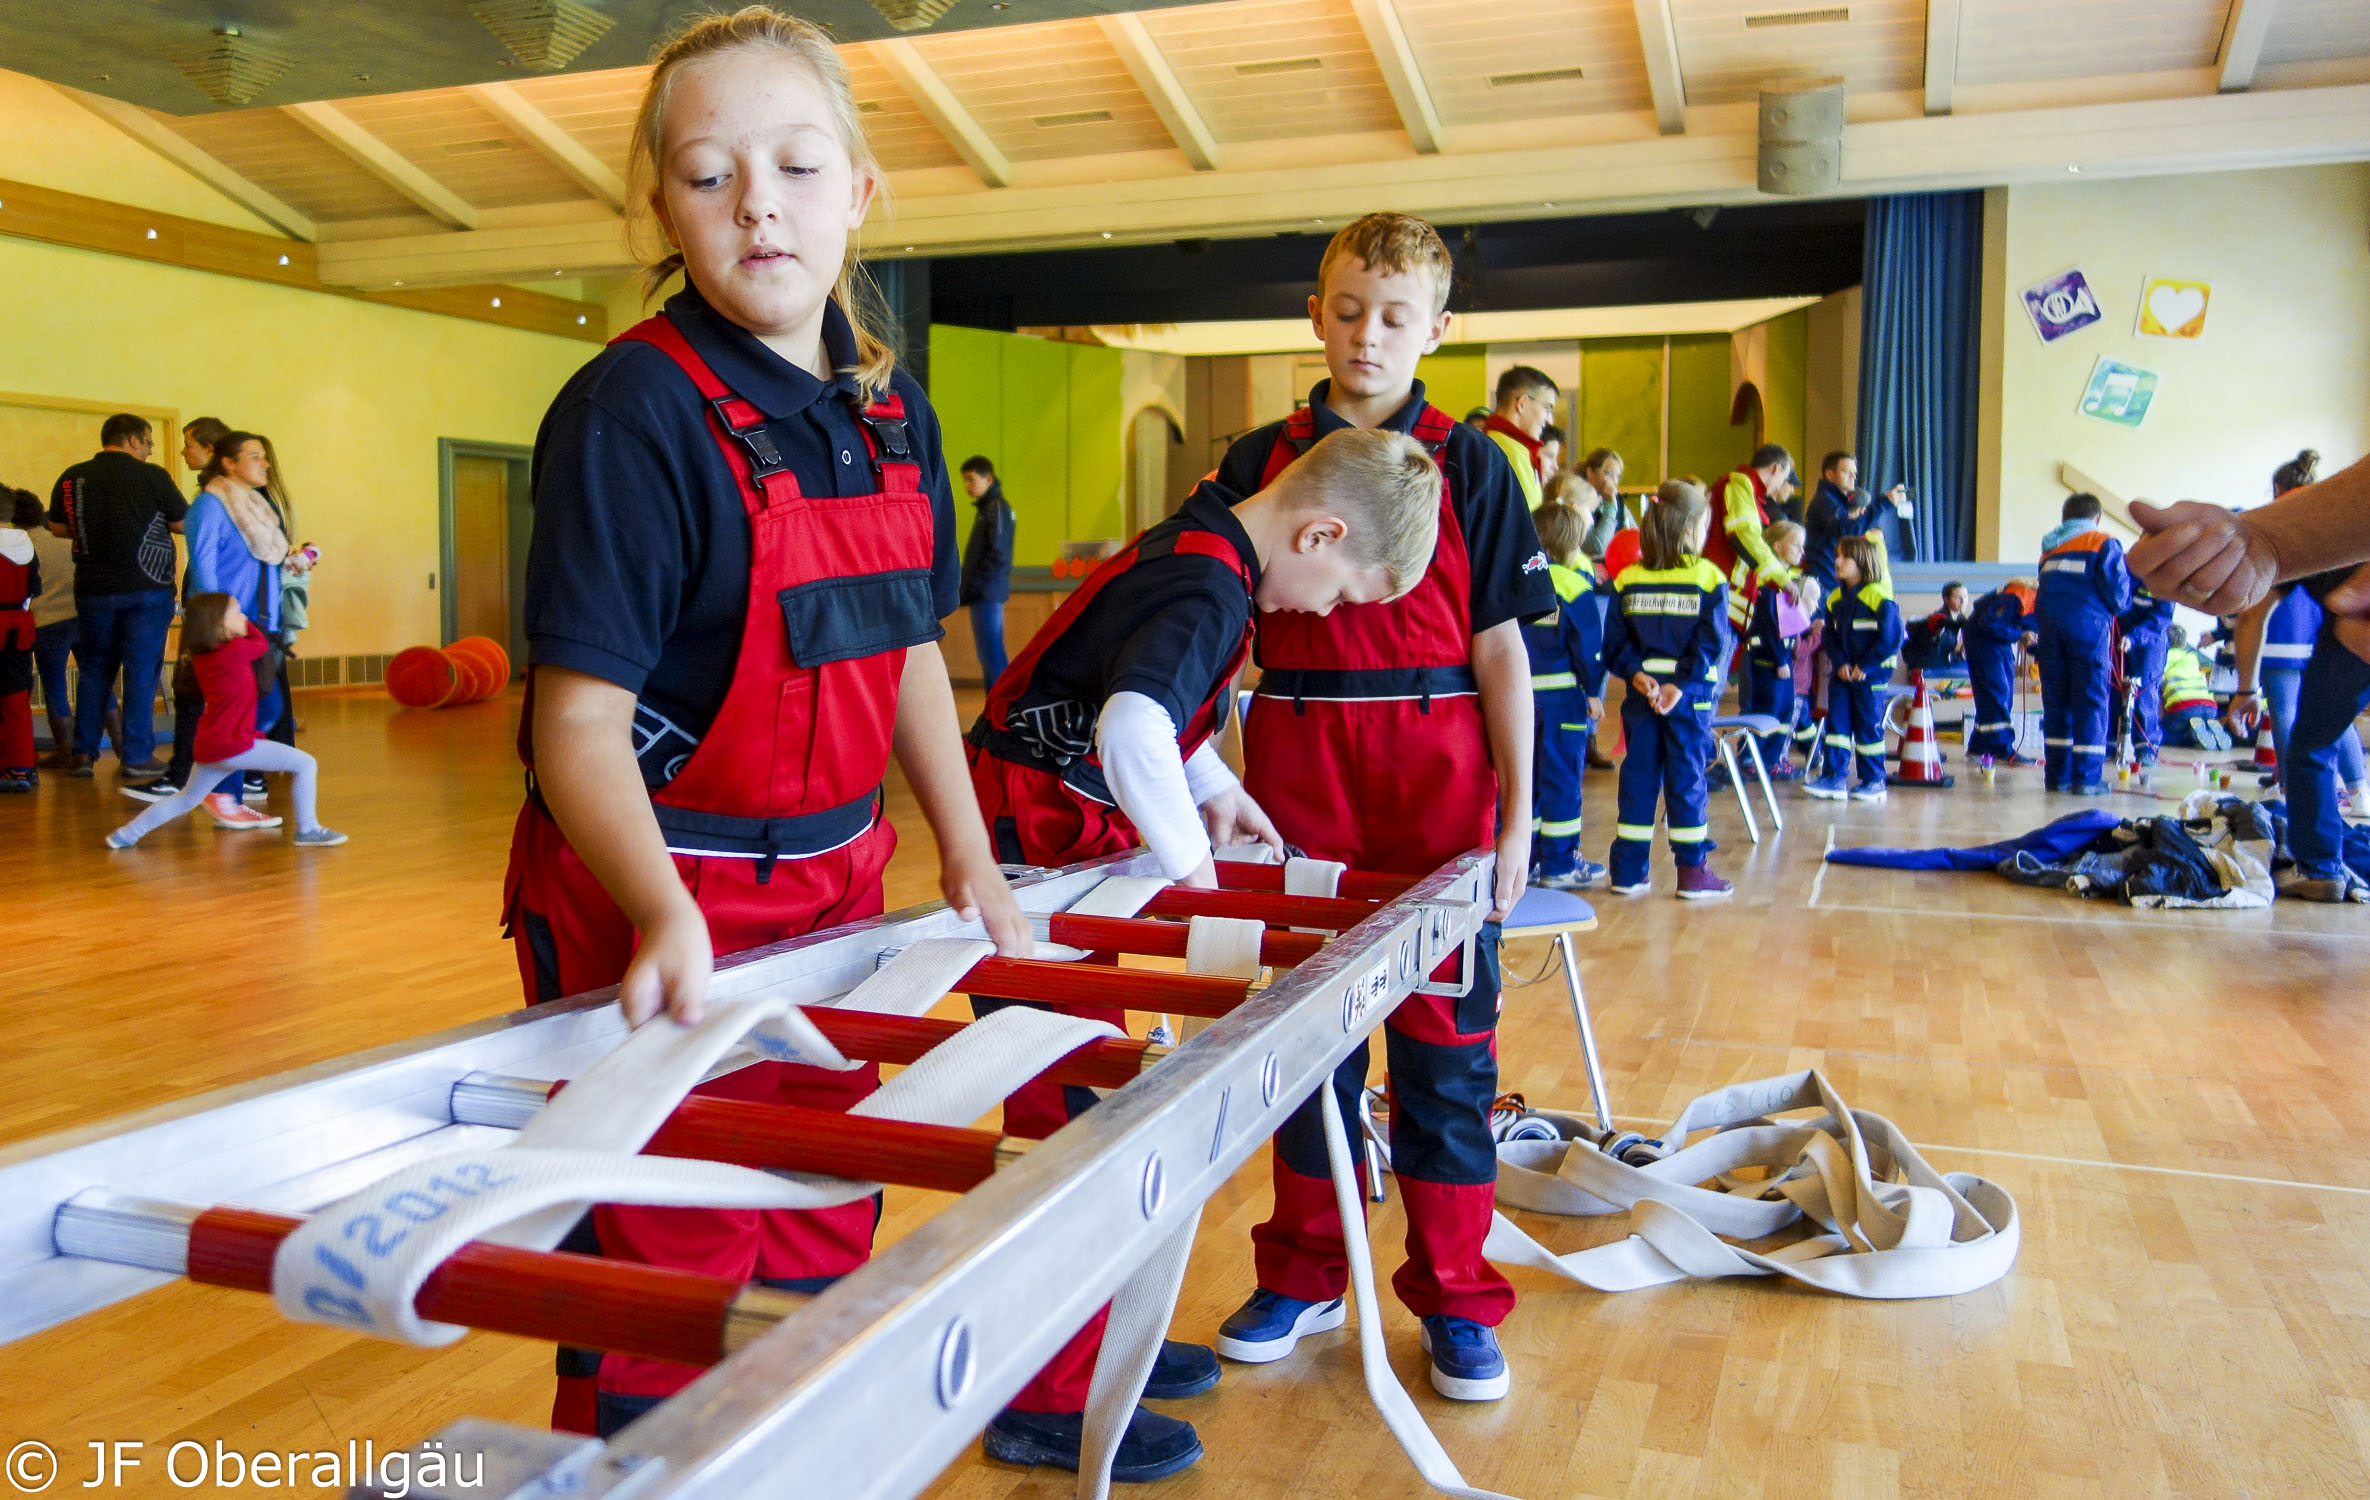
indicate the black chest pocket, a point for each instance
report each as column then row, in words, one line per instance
column 844, row 618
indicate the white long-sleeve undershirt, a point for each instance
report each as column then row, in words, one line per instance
column 1159, row 790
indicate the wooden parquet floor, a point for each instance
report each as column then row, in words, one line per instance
column 2175, row 1100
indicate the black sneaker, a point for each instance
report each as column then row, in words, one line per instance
column 1181, row 1370
column 1154, row 1448
column 152, row 791
column 255, row 790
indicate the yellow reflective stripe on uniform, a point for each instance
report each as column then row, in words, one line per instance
column 1695, row 835
column 1555, row 680
column 1694, row 571
column 1659, row 664
column 1840, row 741
column 1875, row 749
column 1559, row 830
column 1634, row 831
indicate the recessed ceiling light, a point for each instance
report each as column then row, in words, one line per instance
column 497, row 302
column 283, row 260
column 152, row 234
column 399, row 283
column 2073, row 167
column 909, row 249
column 1106, row 234
column 580, row 320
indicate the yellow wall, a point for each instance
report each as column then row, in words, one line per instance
column 2281, row 367
column 354, row 395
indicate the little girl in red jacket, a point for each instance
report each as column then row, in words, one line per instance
column 224, row 648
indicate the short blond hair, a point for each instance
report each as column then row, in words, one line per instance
column 1778, row 533
column 1386, row 487
column 1561, row 530
column 1567, row 488
column 1391, row 244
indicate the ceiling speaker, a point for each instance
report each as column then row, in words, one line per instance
column 912, row 15
column 232, row 67
column 544, row 35
column 1802, row 136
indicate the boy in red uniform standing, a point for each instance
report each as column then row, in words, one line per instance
column 1099, row 736
column 1396, row 737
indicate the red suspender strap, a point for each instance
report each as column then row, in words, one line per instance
column 750, row 450
column 1432, row 427
column 1299, row 434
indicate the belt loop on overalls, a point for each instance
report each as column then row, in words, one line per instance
column 1423, row 688
column 1299, row 696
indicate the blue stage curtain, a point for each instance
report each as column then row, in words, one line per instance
column 1920, row 349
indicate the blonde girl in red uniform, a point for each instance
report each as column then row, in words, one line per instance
column 744, row 544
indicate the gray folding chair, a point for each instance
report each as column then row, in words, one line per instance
column 1727, row 731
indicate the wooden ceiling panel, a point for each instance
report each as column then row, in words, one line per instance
column 901, row 136
column 1310, row 72
column 1067, row 75
column 596, row 109
column 453, row 139
column 294, row 165
column 1725, row 57
column 2031, row 41
column 2317, row 31
column 1481, row 72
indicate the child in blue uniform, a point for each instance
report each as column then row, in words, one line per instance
column 1997, row 627
column 1666, row 635
column 1863, row 646
column 2144, row 627
column 1567, row 691
column 2084, row 587
column 1769, row 652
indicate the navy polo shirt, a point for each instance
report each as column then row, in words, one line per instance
column 1167, row 628
column 638, row 572
column 1509, row 567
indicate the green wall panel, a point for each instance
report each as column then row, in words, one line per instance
column 1789, row 382
column 1098, row 471
column 1034, row 454
column 1702, row 442
column 1621, row 405
column 966, row 390
column 1455, row 377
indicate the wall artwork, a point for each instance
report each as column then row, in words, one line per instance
column 2171, row 308
column 2061, row 304
column 2119, row 393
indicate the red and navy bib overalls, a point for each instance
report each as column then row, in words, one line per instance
column 774, row 820
column 16, row 666
column 1046, row 808
column 1365, row 744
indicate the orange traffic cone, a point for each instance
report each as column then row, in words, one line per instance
column 1921, row 757
column 2266, row 753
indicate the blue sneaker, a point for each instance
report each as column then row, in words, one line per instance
column 1154, row 1446
column 1265, row 1328
column 1869, row 791
column 1583, row 876
column 1828, row 788
column 1466, row 1364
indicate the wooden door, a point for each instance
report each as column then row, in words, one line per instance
column 481, row 547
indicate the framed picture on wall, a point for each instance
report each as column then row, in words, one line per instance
column 2119, row 393
column 2171, row 308
column 2061, row 304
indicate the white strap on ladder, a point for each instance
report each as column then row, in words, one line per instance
column 1313, row 877
column 1893, row 1226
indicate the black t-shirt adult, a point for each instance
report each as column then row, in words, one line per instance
column 1509, row 567
column 123, row 511
column 1167, row 628
column 638, row 572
